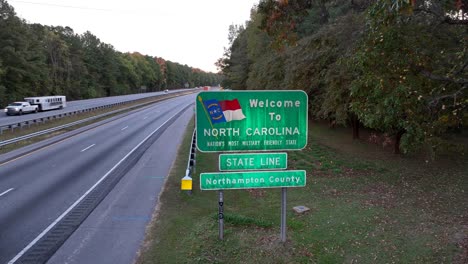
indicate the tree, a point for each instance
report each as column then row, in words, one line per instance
column 280, row 19
column 44, row 60
column 91, row 59
column 234, row 31
column 405, row 87
column 58, row 60
column 2, row 88
column 21, row 55
column 236, row 67
column 109, row 69
column 73, row 69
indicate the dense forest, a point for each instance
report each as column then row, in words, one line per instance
column 37, row 60
column 399, row 67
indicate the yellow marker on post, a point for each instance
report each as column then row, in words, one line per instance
column 186, row 183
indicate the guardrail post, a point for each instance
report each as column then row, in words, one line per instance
column 186, row 182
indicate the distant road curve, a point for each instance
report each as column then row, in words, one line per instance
column 79, row 105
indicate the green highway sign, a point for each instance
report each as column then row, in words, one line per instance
column 250, row 180
column 253, row 161
column 251, row 120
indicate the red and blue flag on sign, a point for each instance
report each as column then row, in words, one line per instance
column 223, row 111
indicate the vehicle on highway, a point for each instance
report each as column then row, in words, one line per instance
column 19, row 108
column 166, row 90
column 48, row 102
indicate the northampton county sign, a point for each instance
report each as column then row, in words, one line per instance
column 252, row 180
column 251, row 120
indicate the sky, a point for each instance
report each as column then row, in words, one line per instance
column 191, row 32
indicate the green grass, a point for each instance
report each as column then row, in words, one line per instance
column 367, row 206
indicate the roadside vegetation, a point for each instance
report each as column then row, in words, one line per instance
column 367, row 206
column 399, row 67
column 39, row 60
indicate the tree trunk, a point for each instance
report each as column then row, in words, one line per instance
column 324, row 15
column 355, row 126
column 396, row 149
column 331, row 123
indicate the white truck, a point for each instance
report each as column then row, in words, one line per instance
column 19, row 108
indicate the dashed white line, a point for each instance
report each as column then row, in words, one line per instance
column 85, row 149
column 145, row 117
column 43, row 233
column 7, row 191
column 124, row 128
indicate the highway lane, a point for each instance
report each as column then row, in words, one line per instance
column 38, row 188
column 115, row 230
column 78, row 105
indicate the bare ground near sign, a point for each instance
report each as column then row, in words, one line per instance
column 367, row 206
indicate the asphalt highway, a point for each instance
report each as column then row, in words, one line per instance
column 77, row 105
column 39, row 189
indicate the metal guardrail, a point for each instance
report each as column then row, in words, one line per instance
column 186, row 182
column 193, row 151
column 50, row 130
column 30, row 122
column 34, row 121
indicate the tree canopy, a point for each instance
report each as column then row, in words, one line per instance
column 396, row 66
column 37, row 60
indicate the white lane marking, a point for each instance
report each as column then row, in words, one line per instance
column 85, row 149
column 145, row 117
column 124, row 128
column 163, row 103
column 7, row 191
column 43, row 233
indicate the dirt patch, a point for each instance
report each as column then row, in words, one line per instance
column 463, row 256
column 380, row 194
column 332, row 192
column 354, row 173
column 461, row 240
column 271, row 244
column 256, row 193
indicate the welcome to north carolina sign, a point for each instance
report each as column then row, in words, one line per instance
column 251, row 120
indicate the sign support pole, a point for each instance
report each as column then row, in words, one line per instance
column 283, row 214
column 221, row 214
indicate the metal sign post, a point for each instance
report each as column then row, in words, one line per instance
column 221, row 214
column 252, row 121
column 283, row 214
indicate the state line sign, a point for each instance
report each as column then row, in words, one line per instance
column 251, row 120
column 252, row 180
column 253, row 161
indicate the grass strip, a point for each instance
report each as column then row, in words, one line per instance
column 240, row 220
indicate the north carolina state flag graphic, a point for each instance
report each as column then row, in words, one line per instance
column 231, row 110
column 223, row 111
